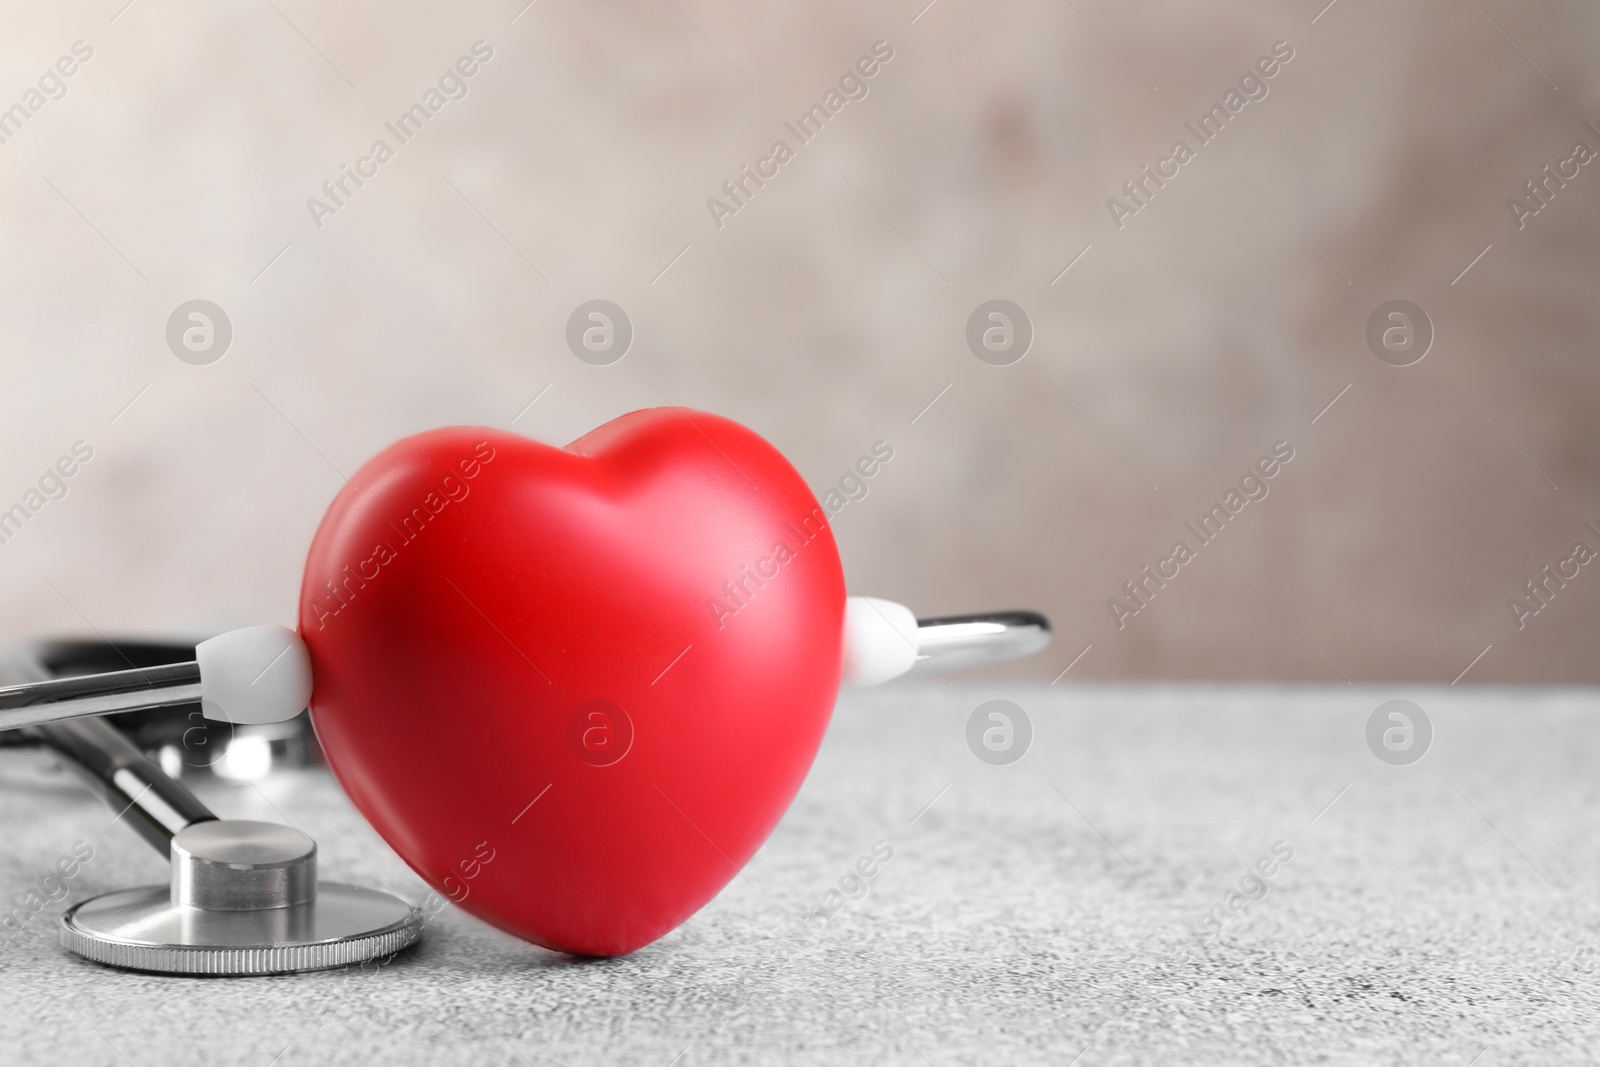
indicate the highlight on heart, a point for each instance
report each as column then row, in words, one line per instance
column 405, row 526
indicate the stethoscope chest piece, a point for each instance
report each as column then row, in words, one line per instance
column 244, row 899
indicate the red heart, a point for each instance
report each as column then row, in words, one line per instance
column 478, row 606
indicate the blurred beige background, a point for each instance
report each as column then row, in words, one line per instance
column 1222, row 318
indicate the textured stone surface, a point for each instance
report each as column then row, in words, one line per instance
column 1433, row 913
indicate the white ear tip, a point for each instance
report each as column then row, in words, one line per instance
column 258, row 674
column 880, row 640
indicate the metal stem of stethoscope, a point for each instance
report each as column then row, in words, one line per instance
column 149, row 800
column 54, row 699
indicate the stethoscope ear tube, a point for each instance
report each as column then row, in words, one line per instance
column 259, row 674
column 961, row 642
column 884, row 640
column 53, row 699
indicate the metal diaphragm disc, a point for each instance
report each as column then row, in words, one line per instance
column 143, row 930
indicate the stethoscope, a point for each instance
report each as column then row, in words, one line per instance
column 244, row 897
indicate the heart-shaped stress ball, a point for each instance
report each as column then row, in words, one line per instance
column 575, row 688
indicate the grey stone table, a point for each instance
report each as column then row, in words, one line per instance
column 1048, row 911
